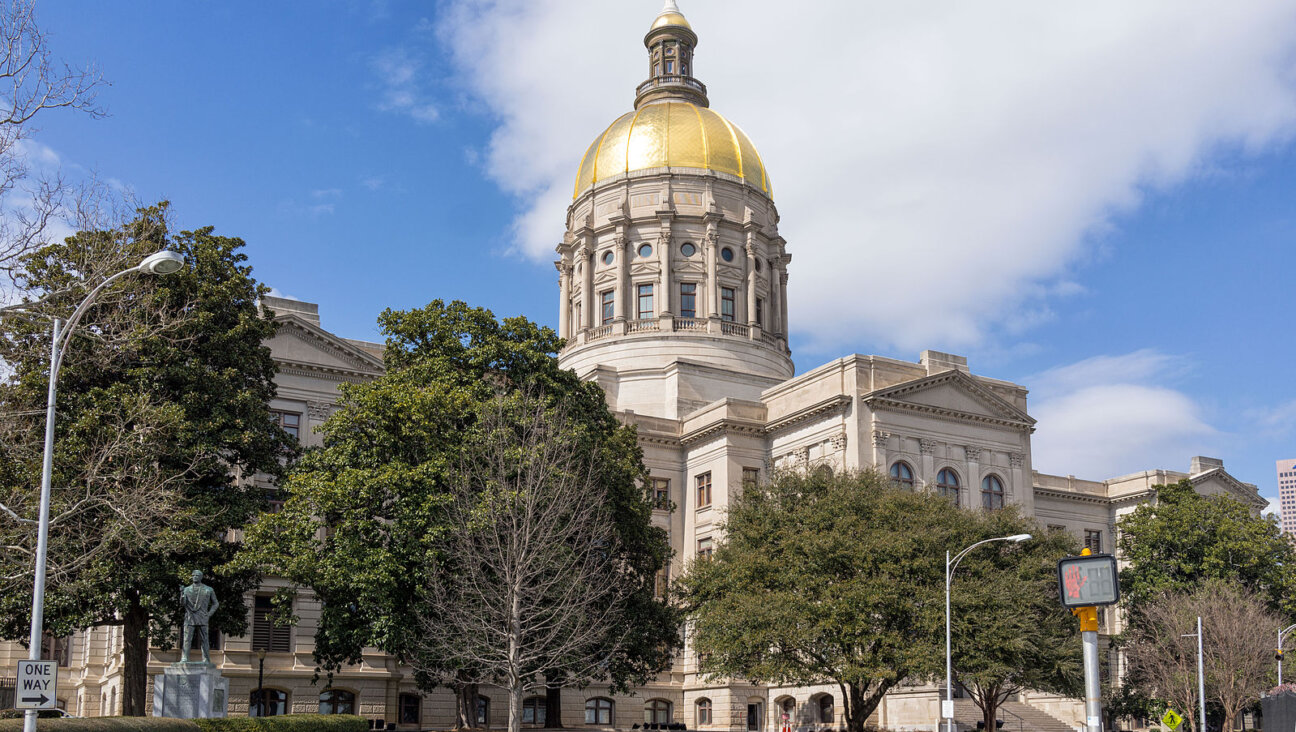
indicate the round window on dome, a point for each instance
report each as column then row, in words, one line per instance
column 727, row 254
column 645, row 251
column 687, row 249
column 608, row 257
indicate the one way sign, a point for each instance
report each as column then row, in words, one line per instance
column 37, row 685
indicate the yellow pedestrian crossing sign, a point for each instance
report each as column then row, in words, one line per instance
column 1171, row 719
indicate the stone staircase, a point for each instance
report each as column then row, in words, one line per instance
column 1017, row 717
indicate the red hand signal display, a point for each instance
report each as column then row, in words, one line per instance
column 1088, row 581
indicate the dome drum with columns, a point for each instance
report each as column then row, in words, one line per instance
column 672, row 254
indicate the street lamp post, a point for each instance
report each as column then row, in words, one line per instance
column 947, row 706
column 1281, row 633
column 158, row 263
column 1201, row 675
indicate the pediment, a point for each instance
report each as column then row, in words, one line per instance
column 643, row 269
column 1219, row 482
column 604, row 278
column 950, row 395
column 690, row 268
column 302, row 344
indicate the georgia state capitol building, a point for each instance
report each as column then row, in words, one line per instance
column 673, row 297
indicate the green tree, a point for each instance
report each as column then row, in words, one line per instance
column 1182, row 539
column 1009, row 630
column 827, row 579
column 383, row 487
column 162, row 414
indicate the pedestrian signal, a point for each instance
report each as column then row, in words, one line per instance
column 1087, row 581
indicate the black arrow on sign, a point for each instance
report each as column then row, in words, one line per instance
column 35, row 699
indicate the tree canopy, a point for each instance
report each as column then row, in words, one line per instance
column 1183, row 539
column 840, row 579
column 162, row 412
column 382, row 486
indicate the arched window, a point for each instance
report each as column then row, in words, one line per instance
column 947, row 484
column 902, row 475
column 483, row 711
column 992, row 493
column 826, row 709
column 337, row 701
column 533, row 711
column 703, row 711
column 276, row 703
column 598, row 711
column 657, row 711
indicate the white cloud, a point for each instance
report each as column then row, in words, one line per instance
column 1278, row 421
column 1274, row 507
column 1111, row 415
column 401, row 89
column 948, row 159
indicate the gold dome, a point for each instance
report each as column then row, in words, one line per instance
column 672, row 134
column 670, row 18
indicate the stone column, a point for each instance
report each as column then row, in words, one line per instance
column 619, row 310
column 973, row 454
column 564, row 299
column 587, row 288
column 783, row 309
column 712, row 282
column 1017, row 483
column 880, row 440
column 775, row 309
column 751, row 281
column 928, row 467
column 664, row 255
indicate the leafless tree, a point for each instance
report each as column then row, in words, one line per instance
column 32, row 82
column 1237, row 633
column 532, row 588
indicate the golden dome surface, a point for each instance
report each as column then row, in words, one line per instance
column 670, row 18
column 672, row 134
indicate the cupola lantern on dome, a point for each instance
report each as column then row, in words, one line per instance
column 670, row 43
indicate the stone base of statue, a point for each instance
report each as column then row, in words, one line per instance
column 190, row 690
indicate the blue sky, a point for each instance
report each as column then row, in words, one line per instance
column 1095, row 202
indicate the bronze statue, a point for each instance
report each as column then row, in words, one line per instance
column 199, row 602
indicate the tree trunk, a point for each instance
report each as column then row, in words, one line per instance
column 553, row 706
column 988, row 701
column 135, row 658
column 467, row 696
column 515, row 705
column 856, row 709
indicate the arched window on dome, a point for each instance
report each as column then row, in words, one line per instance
column 947, row 484
column 992, row 493
column 902, row 475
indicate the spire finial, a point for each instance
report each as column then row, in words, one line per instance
column 670, row 7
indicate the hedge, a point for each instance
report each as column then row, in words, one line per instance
column 287, row 723
column 106, row 724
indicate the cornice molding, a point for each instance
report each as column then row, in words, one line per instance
column 837, row 402
column 1008, row 415
column 1070, row 496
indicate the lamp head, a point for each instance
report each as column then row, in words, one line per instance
column 261, row 654
column 162, row 263
column 1018, row 538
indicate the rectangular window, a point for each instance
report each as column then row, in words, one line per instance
column 751, row 476
column 57, row 648
column 411, row 708
column 645, row 301
column 727, row 304
column 663, row 583
column 704, row 490
column 1093, row 541
column 266, row 636
column 670, row 67
column 1056, row 527
column 607, row 303
column 760, row 312
column 705, row 548
column 289, row 421
column 661, row 493
column 688, row 300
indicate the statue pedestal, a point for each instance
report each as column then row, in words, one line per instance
column 190, row 691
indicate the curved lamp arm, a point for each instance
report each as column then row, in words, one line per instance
column 953, row 563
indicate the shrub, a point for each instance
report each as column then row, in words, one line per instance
column 287, row 723
column 106, row 724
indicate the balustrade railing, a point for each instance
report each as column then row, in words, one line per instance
column 640, row 326
column 733, row 329
column 603, row 331
column 690, row 324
